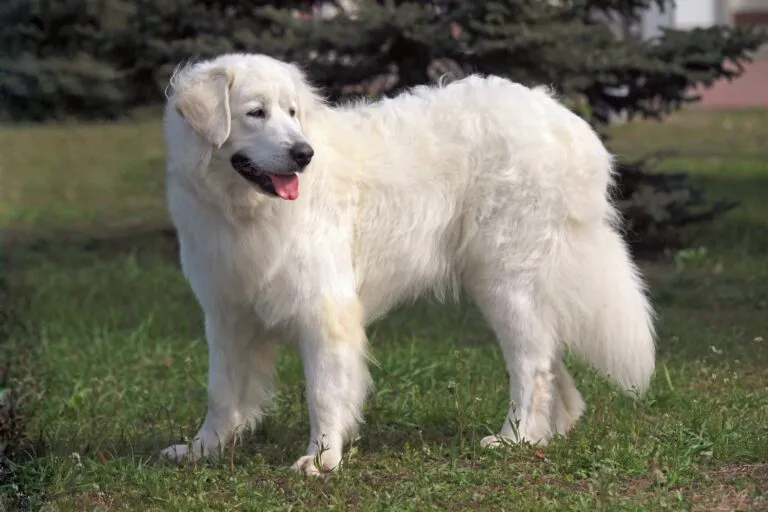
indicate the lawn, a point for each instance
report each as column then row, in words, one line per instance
column 107, row 362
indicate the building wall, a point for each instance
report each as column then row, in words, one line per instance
column 655, row 19
column 699, row 13
column 748, row 4
column 747, row 91
column 687, row 14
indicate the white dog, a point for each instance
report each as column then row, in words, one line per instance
column 302, row 222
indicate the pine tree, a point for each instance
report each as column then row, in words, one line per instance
column 163, row 33
column 570, row 45
column 567, row 44
column 54, row 63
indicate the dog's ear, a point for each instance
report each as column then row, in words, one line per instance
column 204, row 103
column 308, row 97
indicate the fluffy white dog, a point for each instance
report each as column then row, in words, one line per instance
column 302, row 222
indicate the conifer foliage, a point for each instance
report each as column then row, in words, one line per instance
column 55, row 60
column 567, row 44
column 586, row 49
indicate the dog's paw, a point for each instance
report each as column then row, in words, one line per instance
column 497, row 441
column 184, row 452
column 307, row 465
column 178, row 452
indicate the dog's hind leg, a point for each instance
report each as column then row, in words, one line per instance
column 528, row 344
column 240, row 375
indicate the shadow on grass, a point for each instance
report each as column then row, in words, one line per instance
column 27, row 248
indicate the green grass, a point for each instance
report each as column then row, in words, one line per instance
column 108, row 361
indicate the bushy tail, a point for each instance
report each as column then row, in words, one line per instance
column 600, row 306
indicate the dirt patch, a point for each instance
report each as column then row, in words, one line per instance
column 729, row 487
column 733, row 487
column 97, row 501
column 726, row 488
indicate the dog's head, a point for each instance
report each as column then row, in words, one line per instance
column 250, row 111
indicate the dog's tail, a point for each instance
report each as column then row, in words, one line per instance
column 600, row 305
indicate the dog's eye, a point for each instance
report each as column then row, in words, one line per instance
column 292, row 111
column 258, row 112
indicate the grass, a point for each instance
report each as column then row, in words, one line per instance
column 108, row 361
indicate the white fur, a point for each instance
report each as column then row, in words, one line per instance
column 482, row 184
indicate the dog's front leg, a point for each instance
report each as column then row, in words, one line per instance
column 240, row 373
column 334, row 350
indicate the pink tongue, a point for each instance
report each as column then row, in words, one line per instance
column 286, row 187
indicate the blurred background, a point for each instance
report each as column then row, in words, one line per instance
column 95, row 316
column 611, row 60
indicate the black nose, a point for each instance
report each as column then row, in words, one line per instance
column 301, row 153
